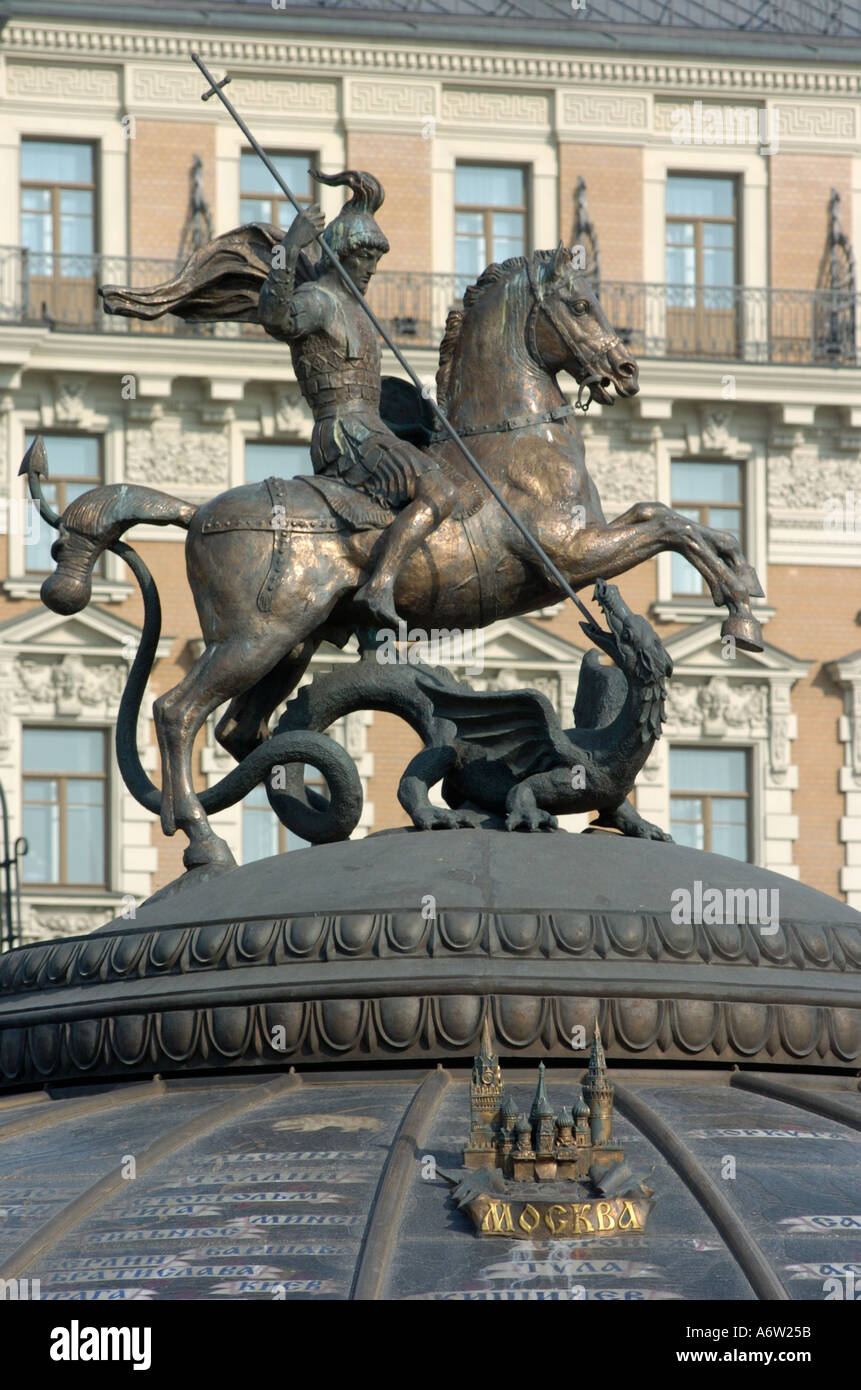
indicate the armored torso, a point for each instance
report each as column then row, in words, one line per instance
column 337, row 364
column 336, row 358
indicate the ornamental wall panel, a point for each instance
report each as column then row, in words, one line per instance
column 62, row 84
column 463, row 106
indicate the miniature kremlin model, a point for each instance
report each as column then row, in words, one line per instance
column 542, row 1145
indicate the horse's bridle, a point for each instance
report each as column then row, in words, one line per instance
column 541, row 305
column 521, row 422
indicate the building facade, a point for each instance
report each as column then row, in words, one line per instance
column 711, row 181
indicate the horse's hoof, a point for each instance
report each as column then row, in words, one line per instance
column 212, row 850
column 746, row 632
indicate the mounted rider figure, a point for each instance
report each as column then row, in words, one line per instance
column 336, row 358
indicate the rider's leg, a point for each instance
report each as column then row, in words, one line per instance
column 434, row 500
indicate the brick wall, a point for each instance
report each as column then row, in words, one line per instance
column 402, row 163
column 800, row 185
column 614, row 196
column 815, row 621
column 160, row 158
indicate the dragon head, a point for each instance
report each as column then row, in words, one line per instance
column 632, row 642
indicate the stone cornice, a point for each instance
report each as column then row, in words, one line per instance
column 298, row 55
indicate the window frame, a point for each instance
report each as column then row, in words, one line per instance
column 488, row 210
column 62, row 882
column 56, row 253
column 278, row 200
column 700, row 221
column 706, row 797
column 703, row 510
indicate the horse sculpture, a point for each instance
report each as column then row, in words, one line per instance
column 273, row 567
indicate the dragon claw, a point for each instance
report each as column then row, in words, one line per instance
column 436, row 818
column 531, row 820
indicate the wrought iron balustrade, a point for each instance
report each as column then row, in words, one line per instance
column 61, row 291
column 690, row 322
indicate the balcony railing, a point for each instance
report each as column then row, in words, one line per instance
column 703, row 323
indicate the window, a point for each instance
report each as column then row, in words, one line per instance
column 710, row 801
column 261, row 199
column 710, row 493
column 490, row 217
column 262, row 832
column 75, row 466
column 58, row 230
column 57, row 206
column 271, row 460
column 64, row 806
column 701, row 264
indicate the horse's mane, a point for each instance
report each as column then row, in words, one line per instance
column 457, row 317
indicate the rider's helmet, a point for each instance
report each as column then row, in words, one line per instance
column 355, row 229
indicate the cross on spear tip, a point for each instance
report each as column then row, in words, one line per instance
column 215, row 89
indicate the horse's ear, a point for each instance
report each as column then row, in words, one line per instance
column 562, row 258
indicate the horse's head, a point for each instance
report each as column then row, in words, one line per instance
column 567, row 329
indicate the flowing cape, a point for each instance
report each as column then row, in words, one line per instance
column 219, row 281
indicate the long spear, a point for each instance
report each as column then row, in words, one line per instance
column 215, row 89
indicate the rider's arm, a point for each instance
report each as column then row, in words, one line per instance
column 283, row 311
column 291, row 315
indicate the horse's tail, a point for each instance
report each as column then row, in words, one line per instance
column 93, row 523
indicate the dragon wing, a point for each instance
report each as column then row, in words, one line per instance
column 517, row 726
column 221, row 280
column 601, row 693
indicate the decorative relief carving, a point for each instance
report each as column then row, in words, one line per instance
column 69, row 404
column 805, row 480
column 621, row 474
column 62, row 84
column 391, row 99
column 169, row 453
column 855, row 741
column 743, row 118
column 490, row 107
column 718, row 706
column 46, row 924
column 848, row 675
column 7, row 695
column 71, row 684
column 292, row 415
column 814, row 121
column 174, row 86
column 780, row 729
column 64, row 402
column 585, row 109
column 7, row 405
column 293, row 98
column 164, row 87
column 715, row 433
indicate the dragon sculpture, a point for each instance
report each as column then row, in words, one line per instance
column 502, row 753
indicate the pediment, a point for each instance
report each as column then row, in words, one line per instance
column 846, row 668
column 517, row 641
column 700, row 650
column 92, row 632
